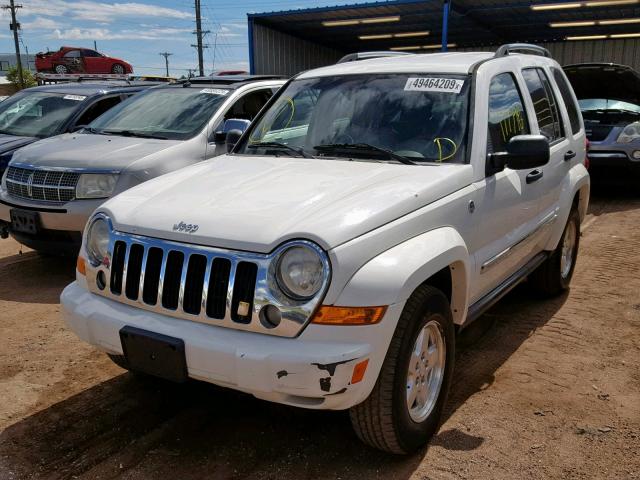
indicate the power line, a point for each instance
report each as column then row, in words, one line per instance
column 15, row 26
column 166, row 56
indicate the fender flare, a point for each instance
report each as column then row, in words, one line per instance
column 577, row 182
column 392, row 276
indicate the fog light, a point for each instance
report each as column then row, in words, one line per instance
column 270, row 316
column 636, row 154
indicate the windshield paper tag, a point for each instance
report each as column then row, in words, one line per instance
column 77, row 98
column 432, row 84
column 214, row 91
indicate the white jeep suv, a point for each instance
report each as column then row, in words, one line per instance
column 372, row 211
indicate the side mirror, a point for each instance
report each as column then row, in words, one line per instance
column 232, row 138
column 219, row 137
column 236, row 124
column 523, row 152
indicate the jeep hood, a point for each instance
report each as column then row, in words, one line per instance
column 604, row 80
column 256, row 203
column 80, row 150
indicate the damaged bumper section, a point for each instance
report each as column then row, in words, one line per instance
column 322, row 368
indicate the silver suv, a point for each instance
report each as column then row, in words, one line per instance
column 51, row 187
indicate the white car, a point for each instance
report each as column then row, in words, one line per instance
column 370, row 213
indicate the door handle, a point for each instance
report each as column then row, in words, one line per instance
column 534, row 176
column 569, row 155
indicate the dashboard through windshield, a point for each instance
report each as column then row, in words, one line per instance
column 411, row 118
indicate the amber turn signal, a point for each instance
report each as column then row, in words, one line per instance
column 330, row 315
column 81, row 266
column 358, row 371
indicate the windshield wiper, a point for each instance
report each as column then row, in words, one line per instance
column 94, row 130
column 132, row 133
column 280, row 146
column 363, row 147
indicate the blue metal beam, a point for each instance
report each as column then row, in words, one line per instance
column 446, row 7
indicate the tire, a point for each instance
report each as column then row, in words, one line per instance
column 119, row 360
column 61, row 69
column 554, row 275
column 384, row 420
column 117, row 69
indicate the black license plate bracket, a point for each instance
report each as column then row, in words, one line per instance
column 154, row 354
column 24, row 221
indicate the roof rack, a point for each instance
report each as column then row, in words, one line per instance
column 529, row 48
column 229, row 79
column 354, row 57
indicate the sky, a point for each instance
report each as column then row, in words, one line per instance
column 138, row 30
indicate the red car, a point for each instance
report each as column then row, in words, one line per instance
column 79, row 60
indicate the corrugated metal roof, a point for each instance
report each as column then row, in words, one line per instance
column 472, row 23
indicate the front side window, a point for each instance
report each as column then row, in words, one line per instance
column 174, row 113
column 248, row 106
column 507, row 117
column 421, row 117
column 544, row 103
column 72, row 54
column 37, row 114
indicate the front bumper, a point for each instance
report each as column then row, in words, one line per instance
column 313, row 370
column 60, row 226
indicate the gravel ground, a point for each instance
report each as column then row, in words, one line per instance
column 543, row 389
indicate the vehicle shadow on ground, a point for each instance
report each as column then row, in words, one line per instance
column 612, row 197
column 137, row 427
column 31, row 278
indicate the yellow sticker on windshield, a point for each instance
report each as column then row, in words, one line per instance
column 434, row 84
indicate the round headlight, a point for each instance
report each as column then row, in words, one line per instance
column 98, row 241
column 300, row 272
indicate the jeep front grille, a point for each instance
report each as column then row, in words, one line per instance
column 42, row 185
column 203, row 284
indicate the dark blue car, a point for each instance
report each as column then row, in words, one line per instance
column 49, row 110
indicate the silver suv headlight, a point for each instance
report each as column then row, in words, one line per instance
column 301, row 270
column 96, row 185
column 629, row 133
column 97, row 239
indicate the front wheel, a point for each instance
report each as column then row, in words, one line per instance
column 61, row 69
column 554, row 275
column 117, row 69
column 403, row 411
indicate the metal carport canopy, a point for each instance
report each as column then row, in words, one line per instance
column 472, row 23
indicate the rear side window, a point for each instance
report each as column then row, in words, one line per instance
column 565, row 91
column 507, row 117
column 544, row 103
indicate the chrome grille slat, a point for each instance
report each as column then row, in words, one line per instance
column 51, row 186
column 183, row 281
column 216, row 296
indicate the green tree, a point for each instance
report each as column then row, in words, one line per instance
column 29, row 79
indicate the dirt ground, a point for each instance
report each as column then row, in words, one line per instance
column 543, row 389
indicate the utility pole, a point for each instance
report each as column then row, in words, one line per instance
column 166, row 56
column 199, row 33
column 15, row 26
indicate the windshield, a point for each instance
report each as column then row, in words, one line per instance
column 171, row 113
column 37, row 114
column 421, row 117
column 606, row 104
